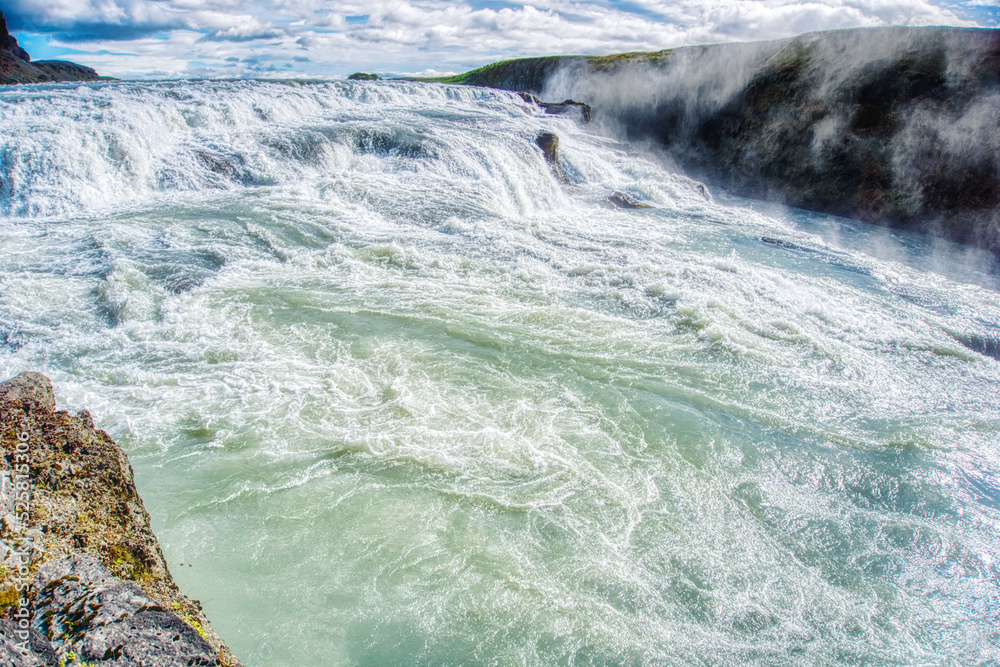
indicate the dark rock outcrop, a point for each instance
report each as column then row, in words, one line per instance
column 63, row 70
column 549, row 143
column 624, row 200
column 79, row 558
column 8, row 44
column 363, row 76
column 895, row 126
column 566, row 107
column 16, row 65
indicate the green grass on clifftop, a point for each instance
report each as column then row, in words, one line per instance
column 529, row 74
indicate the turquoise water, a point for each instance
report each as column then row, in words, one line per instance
column 394, row 395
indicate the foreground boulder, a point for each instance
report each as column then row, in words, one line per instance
column 82, row 608
column 81, row 566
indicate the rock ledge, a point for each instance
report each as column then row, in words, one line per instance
column 83, row 577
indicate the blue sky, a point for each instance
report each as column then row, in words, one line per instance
column 322, row 38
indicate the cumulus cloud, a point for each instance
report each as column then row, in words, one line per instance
column 762, row 19
column 320, row 37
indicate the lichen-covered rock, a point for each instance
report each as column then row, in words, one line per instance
column 83, row 502
column 25, row 647
column 82, row 608
column 29, row 389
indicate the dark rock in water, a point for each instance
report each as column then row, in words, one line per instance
column 363, row 76
column 781, row 243
column 82, row 607
column 549, row 143
column 102, row 585
column 623, row 200
column 559, row 108
column 985, row 345
column 568, row 107
column 218, row 164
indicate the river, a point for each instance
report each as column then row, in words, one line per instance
column 394, row 394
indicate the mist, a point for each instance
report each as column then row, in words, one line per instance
column 894, row 126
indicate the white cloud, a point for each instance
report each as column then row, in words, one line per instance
column 764, row 19
column 411, row 35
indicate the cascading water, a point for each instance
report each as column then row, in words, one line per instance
column 396, row 395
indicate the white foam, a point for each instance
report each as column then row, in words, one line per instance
column 403, row 378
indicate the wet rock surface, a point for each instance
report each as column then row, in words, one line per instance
column 569, row 107
column 582, row 112
column 904, row 141
column 549, row 143
column 624, row 200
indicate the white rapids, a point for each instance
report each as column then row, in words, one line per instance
column 396, row 395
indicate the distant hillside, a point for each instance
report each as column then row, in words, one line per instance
column 16, row 65
column 895, row 126
column 531, row 74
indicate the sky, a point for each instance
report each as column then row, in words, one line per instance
column 330, row 39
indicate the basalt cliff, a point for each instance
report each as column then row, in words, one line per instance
column 82, row 578
column 16, row 65
column 895, row 126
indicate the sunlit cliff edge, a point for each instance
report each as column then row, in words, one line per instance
column 894, row 126
column 16, row 65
